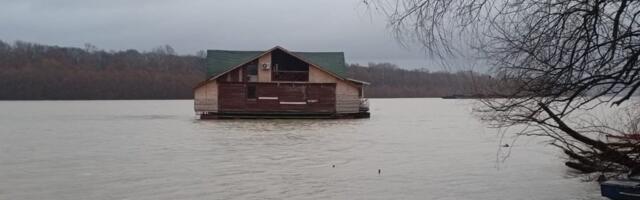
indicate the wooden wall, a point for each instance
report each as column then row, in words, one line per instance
column 206, row 98
column 347, row 94
column 318, row 76
column 347, row 99
column 278, row 98
column 264, row 75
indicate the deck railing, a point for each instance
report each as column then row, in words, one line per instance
column 291, row 75
column 364, row 105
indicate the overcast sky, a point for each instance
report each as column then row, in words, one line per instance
column 193, row 25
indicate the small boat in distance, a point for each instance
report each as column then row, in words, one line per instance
column 627, row 189
column 623, row 189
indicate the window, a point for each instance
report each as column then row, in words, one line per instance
column 251, row 92
column 252, row 71
column 252, row 68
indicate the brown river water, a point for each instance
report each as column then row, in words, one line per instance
column 424, row 148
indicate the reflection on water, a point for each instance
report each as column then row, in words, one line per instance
column 425, row 149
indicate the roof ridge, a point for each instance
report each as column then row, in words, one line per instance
column 265, row 51
column 235, row 50
column 317, row 52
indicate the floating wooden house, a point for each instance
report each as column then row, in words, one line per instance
column 278, row 83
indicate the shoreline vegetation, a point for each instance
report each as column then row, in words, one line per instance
column 31, row 71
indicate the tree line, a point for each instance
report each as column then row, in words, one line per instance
column 389, row 81
column 30, row 71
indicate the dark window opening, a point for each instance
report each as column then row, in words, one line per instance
column 251, row 92
column 252, row 68
column 286, row 67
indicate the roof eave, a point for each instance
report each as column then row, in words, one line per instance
column 358, row 81
column 202, row 83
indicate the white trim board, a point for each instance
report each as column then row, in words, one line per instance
column 293, row 103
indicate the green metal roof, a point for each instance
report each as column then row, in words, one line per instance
column 330, row 61
column 219, row 61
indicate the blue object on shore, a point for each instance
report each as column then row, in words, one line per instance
column 627, row 189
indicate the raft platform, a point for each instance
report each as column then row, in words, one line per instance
column 243, row 115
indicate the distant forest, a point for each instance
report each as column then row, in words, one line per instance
column 31, row 71
column 389, row 81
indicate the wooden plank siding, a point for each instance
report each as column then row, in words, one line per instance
column 206, row 98
column 231, row 96
column 347, row 95
column 278, row 97
column 347, row 99
column 264, row 74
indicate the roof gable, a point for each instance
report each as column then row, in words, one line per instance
column 221, row 61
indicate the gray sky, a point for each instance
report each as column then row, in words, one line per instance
column 193, row 25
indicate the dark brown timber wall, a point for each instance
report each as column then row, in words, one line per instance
column 277, row 98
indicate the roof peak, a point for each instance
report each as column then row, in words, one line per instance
column 221, row 61
column 271, row 49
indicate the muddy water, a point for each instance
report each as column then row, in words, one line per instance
column 424, row 148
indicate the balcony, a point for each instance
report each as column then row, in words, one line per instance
column 300, row 76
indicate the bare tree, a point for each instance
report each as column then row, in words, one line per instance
column 564, row 56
